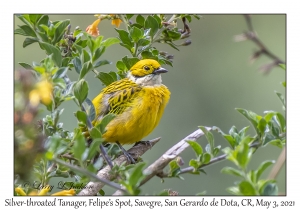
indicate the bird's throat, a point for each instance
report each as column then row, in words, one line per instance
column 148, row 80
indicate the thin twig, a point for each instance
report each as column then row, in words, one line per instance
column 278, row 165
column 93, row 176
column 251, row 35
column 92, row 188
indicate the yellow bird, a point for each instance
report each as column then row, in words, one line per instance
column 138, row 102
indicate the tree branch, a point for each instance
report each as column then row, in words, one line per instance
column 278, row 165
column 92, row 188
column 93, row 176
column 158, row 166
column 252, row 36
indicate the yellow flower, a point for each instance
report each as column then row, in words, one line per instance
column 93, row 29
column 42, row 92
column 20, row 191
column 65, row 192
column 116, row 22
column 44, row 191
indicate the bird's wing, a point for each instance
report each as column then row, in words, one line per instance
column 115, row 98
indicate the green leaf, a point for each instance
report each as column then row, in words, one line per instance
column 262, row 167
column 173, row 35
column 85, row 69
column 262, row 123
column 104, row 122
column 43, row 20
column 201, row 193
column 148, row 55
column 95, row 133
column 124, row 37
column 61, row 72
column 281, row 98
column 246, row 188
column 277, row 143
column 136, row 174
column 143, row 42
column 172, row 45
column 136, row 33
column 77, row 64
column 29, row 41
column 216, row 150
column 105, row 78
column 81, row 117
column 269, row 115
column 195, row 164
column 90, row 109
column 234, row 190
column 205, row 158
column 210, row 138
column 50, row 49
column 230, row 140
column 251, row 116
column 282, row 65
column 110, row 41
column 157, row 18
column 128, row 16
column 233, row 131
column 196, row 147
column 121, row 66
column 129, row 62
column 28, row 30
column 268, row 138
column 81, row 90
column 270, row 189
column 174, row 168
column 99, row 51
column 243, row 155
column 20, row 32
column 151, row 23
column 79, row 145
column 140, row 20
column 281, row 121
column 85, row 56
column 59, row 30
column 232, row 171
column 94, row 148
column 101, row 63
column 25, row 65
column 283, row 84
column 34, row 18
column 59, row 82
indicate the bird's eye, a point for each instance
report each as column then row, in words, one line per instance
column 146, row 68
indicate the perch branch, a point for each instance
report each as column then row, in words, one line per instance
column 92, row 188
column 158, row 166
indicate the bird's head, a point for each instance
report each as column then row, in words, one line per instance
column 146, row 72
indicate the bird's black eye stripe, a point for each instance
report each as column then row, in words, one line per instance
column 146, row 68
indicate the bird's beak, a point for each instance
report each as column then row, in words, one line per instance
column 160, row 70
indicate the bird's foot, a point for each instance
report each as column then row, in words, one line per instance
column 127, row 155
column 147, row 143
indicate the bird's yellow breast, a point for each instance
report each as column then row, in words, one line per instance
column 140, row 117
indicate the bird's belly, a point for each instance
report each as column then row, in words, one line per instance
column 138, row 120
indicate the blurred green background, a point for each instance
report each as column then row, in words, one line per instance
column 208, row 80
